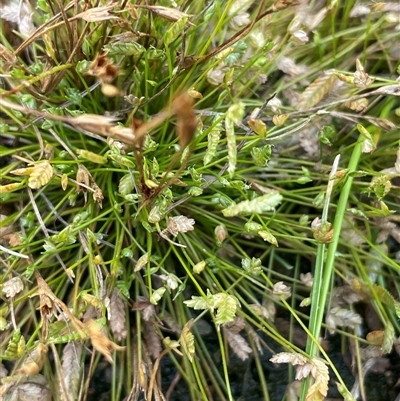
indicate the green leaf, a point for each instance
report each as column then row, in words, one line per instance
column 234, row 115
column 251, row 227
column 195, row 191
column 126, row 185
column 267, row 236
column 252, row 266
column 213, row 139
column 125, row 49
column 187, row 340
column 197, row 303
column 175, row 30
column 264, row 203
column 261, row 156
column 303, row 180
column 226, row 308
column 157, row 295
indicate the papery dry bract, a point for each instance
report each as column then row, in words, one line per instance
column 304, row 367
column 19, row 13
column 282, row 290
column 12, row 287
column 179, row 224
column 361, row 79
column 221, row 234
column 258, row 126
column 97, row 194
column 83, row 179
column 358, row 104
column 342, row 317
column 98, row 13
column 41, row 175
column 28, row 388
column 289, row 357
column 319, row 390
column 215, row 76
column 307, row 279
column 172, row 282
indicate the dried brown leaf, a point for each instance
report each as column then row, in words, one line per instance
column 12, row 287
column 145, row 306
column 100, row 341
column 34, row 361
column 97, row 13
column 117, row 316
column 238, row 344
column 182, row 107
column 170, row 14
column 71, row 367
column 152, row 339
column 316, row 91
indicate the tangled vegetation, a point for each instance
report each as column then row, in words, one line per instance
column 199, row 200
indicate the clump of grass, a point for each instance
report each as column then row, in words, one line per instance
column 187, row 188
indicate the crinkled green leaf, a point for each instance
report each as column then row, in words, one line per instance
column 226, row 308
column 187, row 340
column 201, row 302
column 175, row 30
column 125, row 49
column 264, row 203
column 262, row 155
column 234, row 115
column 252, row 266
column 267, row 236
column 213, row 139
column 126, row 185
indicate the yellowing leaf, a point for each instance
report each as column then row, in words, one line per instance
column 187, row 340
column 41, row 175
column 316, row 91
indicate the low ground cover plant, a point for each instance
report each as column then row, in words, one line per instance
column 199, row 200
